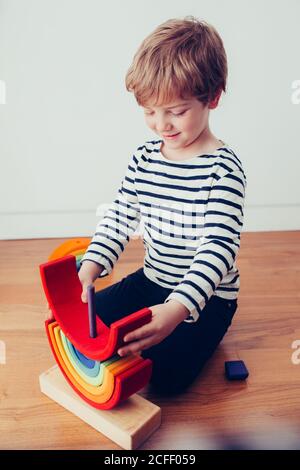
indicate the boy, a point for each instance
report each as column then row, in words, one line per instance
column 188, row 189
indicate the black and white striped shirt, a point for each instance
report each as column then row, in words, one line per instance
column 192, row 216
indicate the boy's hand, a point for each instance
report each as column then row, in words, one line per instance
column 165, row 318
column 87, row 274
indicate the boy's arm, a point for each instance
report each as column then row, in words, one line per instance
column 219, row 245
column 119, row 223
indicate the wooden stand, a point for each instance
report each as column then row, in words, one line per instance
column 129, row 424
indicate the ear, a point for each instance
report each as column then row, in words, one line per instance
column 214, row 103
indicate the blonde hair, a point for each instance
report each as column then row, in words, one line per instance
column 180, row 58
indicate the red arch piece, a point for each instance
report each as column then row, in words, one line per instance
column 63, row 291
column 126, row 384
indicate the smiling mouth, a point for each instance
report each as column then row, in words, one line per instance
column 173, row 135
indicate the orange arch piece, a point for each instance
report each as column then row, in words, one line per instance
column 74, row 246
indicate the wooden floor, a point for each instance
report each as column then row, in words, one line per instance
column 264, row 328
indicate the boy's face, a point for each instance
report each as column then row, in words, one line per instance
column 179, row 123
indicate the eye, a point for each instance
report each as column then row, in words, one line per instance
column 179, row 114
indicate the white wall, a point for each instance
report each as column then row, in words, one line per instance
column 69, row 126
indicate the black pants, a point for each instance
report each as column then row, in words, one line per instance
column 178, row 359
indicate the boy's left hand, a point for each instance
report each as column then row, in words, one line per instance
column 165, row 318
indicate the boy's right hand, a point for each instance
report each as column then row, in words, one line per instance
column 87, row 274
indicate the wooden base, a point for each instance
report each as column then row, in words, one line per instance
column 129, row 424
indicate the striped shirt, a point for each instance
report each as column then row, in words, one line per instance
column 192, row 216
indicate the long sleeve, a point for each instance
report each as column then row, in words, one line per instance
column 119, row 223
column 219, row 245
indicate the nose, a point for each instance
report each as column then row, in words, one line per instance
column 163, row 124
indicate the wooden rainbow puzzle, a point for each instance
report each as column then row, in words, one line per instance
column 91, row 365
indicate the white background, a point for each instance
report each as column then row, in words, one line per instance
column 69, row 127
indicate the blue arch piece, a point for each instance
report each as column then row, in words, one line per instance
column 88, row 375
column 90, row 372
column 89, row 363
column 95, row 373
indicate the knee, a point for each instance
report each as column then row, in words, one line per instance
column 167, row 383
column 167, row 390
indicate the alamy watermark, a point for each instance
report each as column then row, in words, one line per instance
column 2, row 352
column 296, row 354
column 2, row 92
column 295, row 97
column 176, row 221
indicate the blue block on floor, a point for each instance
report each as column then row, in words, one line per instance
column 236, row 370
